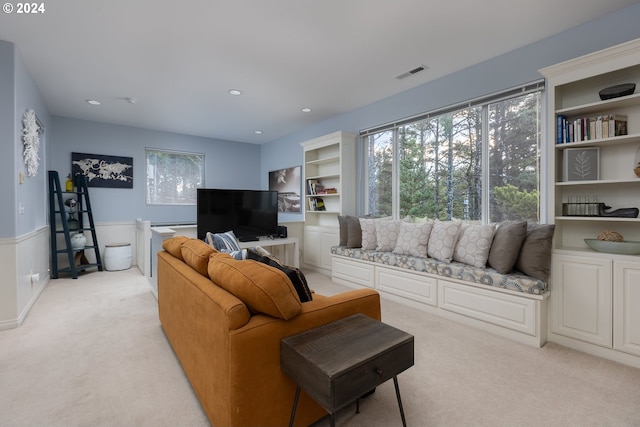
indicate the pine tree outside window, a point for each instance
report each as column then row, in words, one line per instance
column 441, row 166
column 173, row 177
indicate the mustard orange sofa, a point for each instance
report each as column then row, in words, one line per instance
column 225, row 318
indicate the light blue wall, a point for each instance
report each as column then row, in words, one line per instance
column 505, row 71
column 228, row 165
column 17, row 93
column 32, row 193
column 7, row 139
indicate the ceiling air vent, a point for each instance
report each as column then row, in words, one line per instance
column 411, row 72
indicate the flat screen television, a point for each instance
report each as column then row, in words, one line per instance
column 250, row 214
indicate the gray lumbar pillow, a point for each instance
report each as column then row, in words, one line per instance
column 506, row 245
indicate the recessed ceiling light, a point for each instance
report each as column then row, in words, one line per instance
column 93, row 102
column 306, row 110
column 131, row 100
column 235, row 92
column 257, row 132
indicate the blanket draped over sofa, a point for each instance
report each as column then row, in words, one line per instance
column 225, row 318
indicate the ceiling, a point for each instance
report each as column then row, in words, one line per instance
column 179, row 59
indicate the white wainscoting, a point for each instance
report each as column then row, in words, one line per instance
column 24, row 262
column 115, row 232
column 143, row 246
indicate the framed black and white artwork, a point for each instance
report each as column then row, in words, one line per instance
column 581, row 164
column 103, row 171
column 287, row 182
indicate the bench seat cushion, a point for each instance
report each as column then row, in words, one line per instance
column 486, row 276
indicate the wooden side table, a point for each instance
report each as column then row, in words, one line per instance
column 338, row 362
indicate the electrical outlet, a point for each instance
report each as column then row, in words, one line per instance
column 21, row 208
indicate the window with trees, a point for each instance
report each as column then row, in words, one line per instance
column 478, row 162
column 173, row 177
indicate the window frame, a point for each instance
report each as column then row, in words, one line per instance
column 202, row 172
column 484, row 102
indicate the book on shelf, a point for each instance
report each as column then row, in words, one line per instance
column 560, row 121
column 589, row 128
column 316, row 204
column 313, row 186
column 617, row 125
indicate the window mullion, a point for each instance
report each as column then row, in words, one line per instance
column 395, row 175
column 486, row 170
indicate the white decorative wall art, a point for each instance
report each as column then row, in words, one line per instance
column 31, row 140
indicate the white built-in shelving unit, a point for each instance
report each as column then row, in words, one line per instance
column 594, row 295
column 329, row 165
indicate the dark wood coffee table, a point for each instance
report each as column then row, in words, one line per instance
column 339, row 362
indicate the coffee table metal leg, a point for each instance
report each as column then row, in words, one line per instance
column 295, row 406
column 395, row 382
column 332, row 419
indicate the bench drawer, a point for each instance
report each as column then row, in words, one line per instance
column 357, row 272
column 512, row 312
column 408, row 285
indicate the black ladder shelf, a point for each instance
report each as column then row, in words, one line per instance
column 59, row 224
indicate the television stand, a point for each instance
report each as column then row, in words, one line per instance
column 248, row 239
column 291, row 257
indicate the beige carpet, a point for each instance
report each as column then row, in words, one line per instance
column 92, row 353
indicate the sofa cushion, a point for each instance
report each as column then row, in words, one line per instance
column 195, row 254
column 174, row 246
column 296, row 276
column 474, row 243
column 387, row 234
column 535, row 254
column 264, row 289
column 507, row 241
column 443, row 239
column 413, row 238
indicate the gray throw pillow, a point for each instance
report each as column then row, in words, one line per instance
column 354, row 234
column 344, row 230
column 505, row 248
column 535, row 254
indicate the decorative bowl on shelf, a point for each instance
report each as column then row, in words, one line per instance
column 617, row 91
column 622, row 248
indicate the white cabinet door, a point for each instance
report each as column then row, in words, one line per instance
column 581, row 299
column 328, row 238
column 626, row 306
column 312, row 246
column 317, row 247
